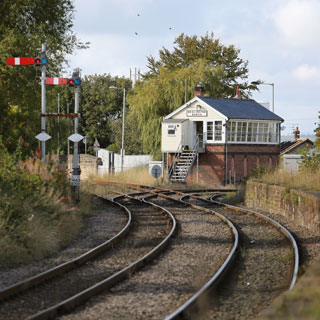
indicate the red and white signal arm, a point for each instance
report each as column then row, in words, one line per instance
column 20, row 61
column 56, row 81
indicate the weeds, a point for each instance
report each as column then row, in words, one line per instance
column 36, row 217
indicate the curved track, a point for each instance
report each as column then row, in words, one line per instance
column 71, row 288
column 200, row 257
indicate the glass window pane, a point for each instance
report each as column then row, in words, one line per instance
column 250, row 127
column 239, row 127
column 244, row 132
column 209, row 130
column 218, row 130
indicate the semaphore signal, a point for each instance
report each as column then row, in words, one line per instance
column 20, row 61
column 57, row 81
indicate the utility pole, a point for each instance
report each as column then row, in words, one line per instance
column 123, row 116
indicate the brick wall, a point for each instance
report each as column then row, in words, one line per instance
column 302, row 207
column 242, row 158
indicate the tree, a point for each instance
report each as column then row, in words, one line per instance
column 24, row 26
column 312, row 161
column 171, row 80
column 100, row 106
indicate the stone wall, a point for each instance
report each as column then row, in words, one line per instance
column 302, row 207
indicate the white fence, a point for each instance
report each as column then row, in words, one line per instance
column 111, row 162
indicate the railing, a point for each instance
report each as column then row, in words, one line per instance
column 175, row 159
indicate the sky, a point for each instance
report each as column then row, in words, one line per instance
column 279, row 38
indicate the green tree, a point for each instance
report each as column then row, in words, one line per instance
column 171, row 80
column 312, row 161
column 100, row 106
column 24, row 26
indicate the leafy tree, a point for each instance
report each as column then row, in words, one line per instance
column 312, row 161
column 100, row 106
column 24, row 26
column 171, row 80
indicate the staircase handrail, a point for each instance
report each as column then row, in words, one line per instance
column 176, row 157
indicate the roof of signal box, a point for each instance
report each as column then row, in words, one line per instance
column 235, row 108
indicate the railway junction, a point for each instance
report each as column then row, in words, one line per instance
column 154, row 253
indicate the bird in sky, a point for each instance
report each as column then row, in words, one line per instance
column 136, row 33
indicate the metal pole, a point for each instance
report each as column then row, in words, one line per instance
column 58, row 150
column 226, row 162
column 197, row 167
column 123, row 117
column 43, row 106
column 272, row 97
column 76, row 169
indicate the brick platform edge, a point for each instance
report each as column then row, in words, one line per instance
column 302, row 207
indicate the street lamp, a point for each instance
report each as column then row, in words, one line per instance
column 123, row 116
column 258, row 82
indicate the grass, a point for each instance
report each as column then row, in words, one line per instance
column 304, row 179
column 139, row 175
column 303, row 302
column 37, row 217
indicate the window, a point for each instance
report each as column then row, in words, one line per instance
column 251, row 131
column 171, row 130
column 231, row 131
column 218, row 130
column 209, row 130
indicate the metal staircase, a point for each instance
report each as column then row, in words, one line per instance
column 182, row 163
column 183, row 166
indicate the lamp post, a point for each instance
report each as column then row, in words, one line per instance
column 258, row 82
column 123, row 117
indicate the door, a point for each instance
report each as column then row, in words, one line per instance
column 199, row 133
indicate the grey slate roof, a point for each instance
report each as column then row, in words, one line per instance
column 240, row 109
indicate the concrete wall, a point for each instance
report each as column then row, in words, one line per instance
column 302, row 207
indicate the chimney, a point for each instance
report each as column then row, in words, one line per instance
column 296, row 134
column 199, row 90
column 238, row 93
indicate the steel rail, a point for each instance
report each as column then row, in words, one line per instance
column 66, row 266
column 70, row 303
column 284, row 230
column 180, row 312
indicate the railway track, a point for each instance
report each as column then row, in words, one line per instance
column 94, row 271
column 180, row 283
column 266, row 266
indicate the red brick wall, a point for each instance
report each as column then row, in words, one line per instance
column 241, row 160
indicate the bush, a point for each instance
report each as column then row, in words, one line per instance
column 34, row 204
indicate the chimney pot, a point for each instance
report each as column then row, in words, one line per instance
column 199, row 90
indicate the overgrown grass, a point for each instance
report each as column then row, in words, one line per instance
column 139, row 175
column 303, row 179
column 36, row 215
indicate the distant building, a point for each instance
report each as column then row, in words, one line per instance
column 295, row 146
column 229, row 137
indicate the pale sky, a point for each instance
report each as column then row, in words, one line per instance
column 279, row 38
